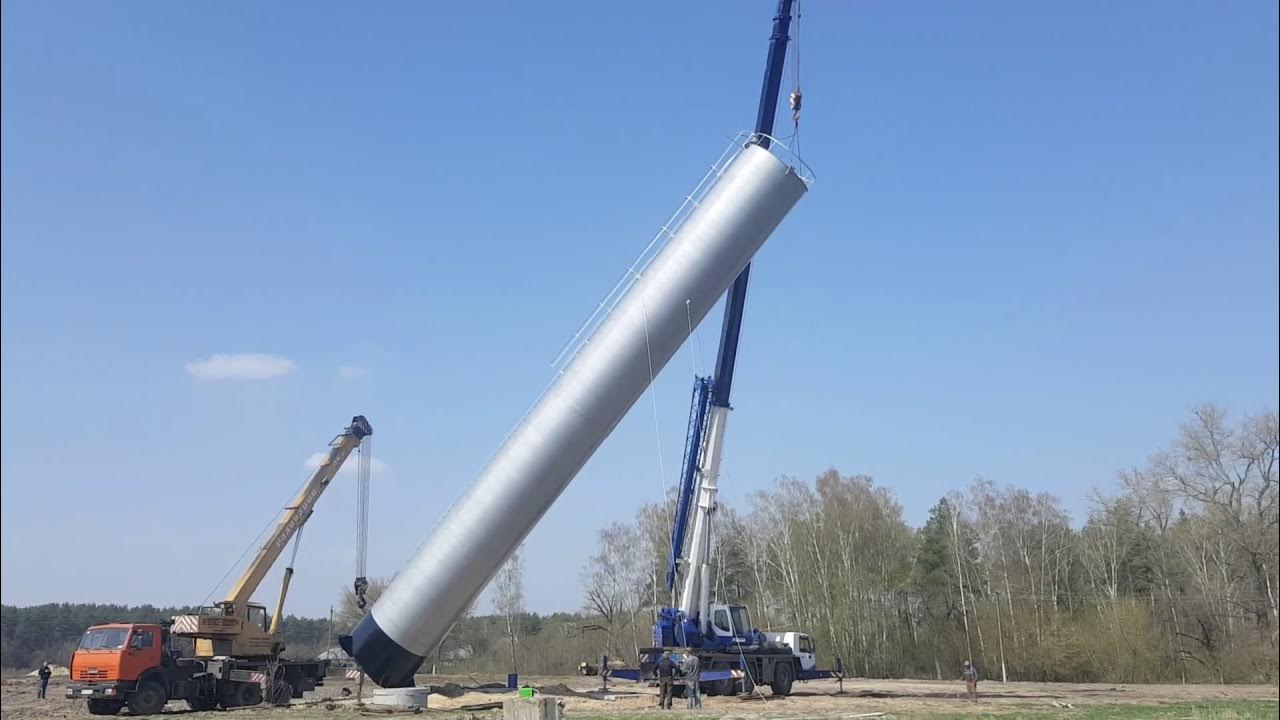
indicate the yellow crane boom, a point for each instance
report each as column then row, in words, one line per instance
column 297, row 512
column 237, row 627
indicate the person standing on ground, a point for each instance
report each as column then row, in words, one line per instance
column 692, row 672
column 970, row 676
column 666, row 671
column 45, row 673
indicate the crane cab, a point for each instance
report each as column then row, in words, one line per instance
column 219, row 630
column 729, row 624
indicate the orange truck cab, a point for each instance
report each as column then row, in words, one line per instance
column 122, row 664
column 119, row 665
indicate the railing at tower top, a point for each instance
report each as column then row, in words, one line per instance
column 669, row 229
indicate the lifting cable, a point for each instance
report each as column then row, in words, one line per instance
column 657, row 426
column 364, row 465
column 797, row 96
column 254, row 542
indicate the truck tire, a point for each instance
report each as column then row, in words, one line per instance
column 148, row 699
column 105, row 707
column 202, row 703
column 784, row 674
column 248, row 694
column 241, row 694
column 281, row 693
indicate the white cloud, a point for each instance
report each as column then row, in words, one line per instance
column 375, row 465
column 352, row 372
column 242, row 366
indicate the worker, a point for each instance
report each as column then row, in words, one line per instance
column 692, row 673
column 970, row 675
column 666, row 671
column 44, row 674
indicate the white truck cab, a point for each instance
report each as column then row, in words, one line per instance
column 801, row 646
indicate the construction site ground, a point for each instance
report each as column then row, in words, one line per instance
column 821, row 699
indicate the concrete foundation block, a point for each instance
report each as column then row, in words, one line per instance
column 536, row 708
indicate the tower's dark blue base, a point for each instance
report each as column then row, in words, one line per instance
column 381, row 658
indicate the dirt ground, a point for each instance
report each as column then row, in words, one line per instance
column 819, row 699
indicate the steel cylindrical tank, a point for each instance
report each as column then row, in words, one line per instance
column 591, row 395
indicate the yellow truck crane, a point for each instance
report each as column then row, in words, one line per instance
column 237, row 648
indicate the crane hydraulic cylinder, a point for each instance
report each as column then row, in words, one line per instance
column 593, row 392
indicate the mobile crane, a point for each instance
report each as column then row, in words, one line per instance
column 734, row 654
column 237, row 644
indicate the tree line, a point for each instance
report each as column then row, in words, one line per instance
column 1172, row 577
column 35, row 634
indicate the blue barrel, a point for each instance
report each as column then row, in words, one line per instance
column 512, row 681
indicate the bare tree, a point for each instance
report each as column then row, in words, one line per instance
column 508, row 600
column 451, row 643
column 613, row 580
column 1107, row 543
column 1230, row 472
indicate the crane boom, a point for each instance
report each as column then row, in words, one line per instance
column 298, row 511
column 237, row 627
column 731, row 328
column 705, row 447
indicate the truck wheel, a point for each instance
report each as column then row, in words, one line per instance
column 148, row 699
column 784, row 674
column 105, row 707
column 202, row 703
column 281, row 693
column 720, row 687
column 248, row 694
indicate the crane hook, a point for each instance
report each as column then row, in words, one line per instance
column 797, row 98
column 361, row 587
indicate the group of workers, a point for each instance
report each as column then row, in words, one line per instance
column 689, row 670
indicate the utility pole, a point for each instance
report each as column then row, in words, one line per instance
column 1004, row 675
column 328, row 641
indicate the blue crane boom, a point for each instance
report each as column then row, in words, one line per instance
column 731, row 328
column 734, row 656
column 709, row 414
column 698, row 415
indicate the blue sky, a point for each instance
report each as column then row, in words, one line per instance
column 1040, row 233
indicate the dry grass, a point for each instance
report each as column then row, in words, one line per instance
column 895, row 698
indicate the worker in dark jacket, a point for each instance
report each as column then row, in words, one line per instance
column 666, row 671
column 45, row 673
column 692, row 675
column 969, row 674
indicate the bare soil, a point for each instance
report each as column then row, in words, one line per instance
column 819, row 699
